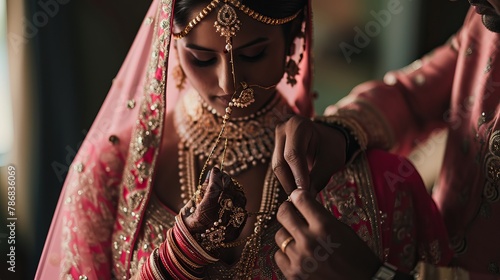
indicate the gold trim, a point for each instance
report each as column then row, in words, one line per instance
column 357, row 204
column 363, row 177
column 424, row 271
column 366, row 123
column 146, row 137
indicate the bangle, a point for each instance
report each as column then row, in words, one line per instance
column 177, row 251
column 425, row 271
column 153, row 263
column 186, row 249
column 167, row 263
column 197, row 248
column 186, row 275
column 355, row 129
column 385, row 272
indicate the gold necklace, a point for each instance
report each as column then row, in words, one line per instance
column 269, row 204
column 198, row 127
column 250, row 140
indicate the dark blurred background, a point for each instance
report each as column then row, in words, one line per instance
column 58, row 58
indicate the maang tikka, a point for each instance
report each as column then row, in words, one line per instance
column 227, row 24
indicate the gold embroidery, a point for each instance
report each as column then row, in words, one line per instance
column 144, row 147
column 157, row 220
column 356, row 205
column 363, row 179
column 368, row 121
column 494, row 146
column 491, row 191
column 89, row 220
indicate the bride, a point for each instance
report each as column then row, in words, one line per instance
column 175, row 177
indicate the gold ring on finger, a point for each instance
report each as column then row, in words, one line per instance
column 285, row 243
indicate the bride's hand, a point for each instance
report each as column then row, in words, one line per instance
column 306, row 154
column 221, row 203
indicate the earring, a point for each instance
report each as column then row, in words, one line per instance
column 246, row 97
column 291, row 70
column 179, row 77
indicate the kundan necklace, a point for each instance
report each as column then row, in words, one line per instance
column 250, row 141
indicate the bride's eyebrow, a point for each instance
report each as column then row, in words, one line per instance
column 249, row 44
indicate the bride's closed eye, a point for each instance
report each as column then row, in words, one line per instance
column 202, row 61
column 253, row 56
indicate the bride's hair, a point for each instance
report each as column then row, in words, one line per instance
column 184, row 10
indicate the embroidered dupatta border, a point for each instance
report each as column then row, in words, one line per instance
column 144, row 146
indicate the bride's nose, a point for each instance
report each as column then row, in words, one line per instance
column 225, row 75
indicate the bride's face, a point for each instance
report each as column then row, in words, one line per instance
column 259, row 54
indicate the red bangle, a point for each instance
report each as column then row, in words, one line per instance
column 187, row 250
column 145, row 271
column 167, row 264
column 183, row 273
column 179, row 222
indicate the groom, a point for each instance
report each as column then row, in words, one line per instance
column 456, row 88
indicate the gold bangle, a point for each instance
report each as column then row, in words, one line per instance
column 424, row 271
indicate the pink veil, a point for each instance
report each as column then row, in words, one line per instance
column 116, row 162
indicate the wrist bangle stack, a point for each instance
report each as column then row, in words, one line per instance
column 179, row 257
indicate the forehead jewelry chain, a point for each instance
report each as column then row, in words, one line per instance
column 227, row 25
